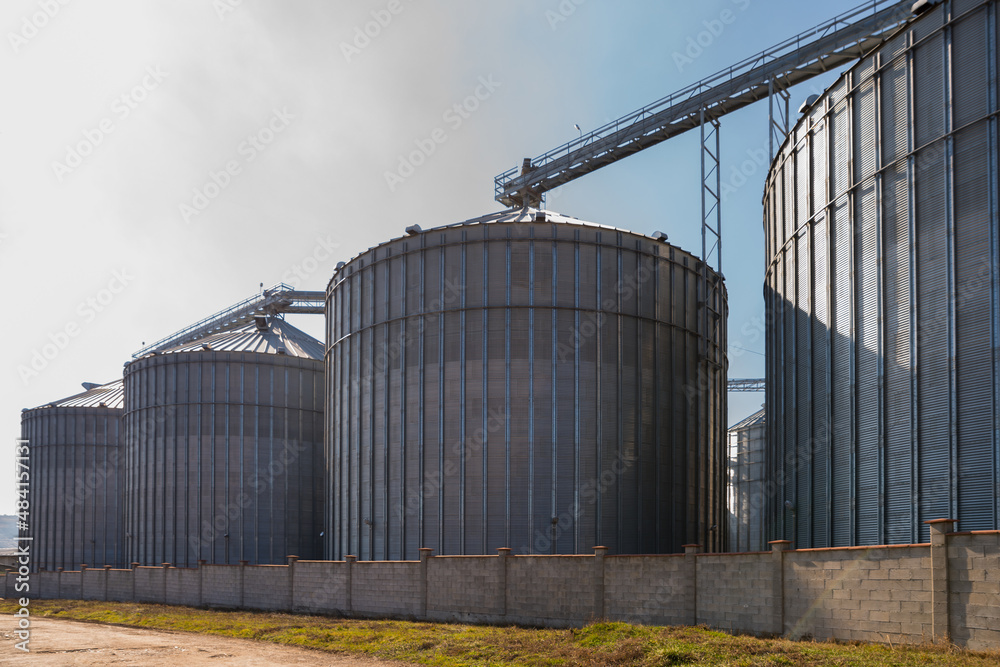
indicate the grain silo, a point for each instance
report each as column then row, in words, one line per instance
column 881, row 219
column 523, row 380
column 223, row 440
column 747, row 492
column 74, row 472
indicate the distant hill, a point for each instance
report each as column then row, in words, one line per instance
column 8, row 531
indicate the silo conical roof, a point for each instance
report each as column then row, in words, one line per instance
column 110, row 395
column 755, row 419
column 275, row 337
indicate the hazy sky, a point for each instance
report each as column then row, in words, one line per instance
column 162, row 159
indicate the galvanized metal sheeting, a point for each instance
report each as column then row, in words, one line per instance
column 224, row 454
column 747, row 493
column 108, row 395
column 75, row 469
column 279, row 337
column 532, row 384
column 881, row 220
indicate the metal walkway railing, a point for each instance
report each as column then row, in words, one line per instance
column 745, row 384
column 280, row 298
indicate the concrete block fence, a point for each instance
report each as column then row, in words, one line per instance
column 948, row 589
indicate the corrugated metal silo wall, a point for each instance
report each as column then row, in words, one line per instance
column 487, row 379
column 881, row 219
column 223, row 457
column 75, row 469
column 746, row 488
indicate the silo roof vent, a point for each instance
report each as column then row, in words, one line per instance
column 808, row 103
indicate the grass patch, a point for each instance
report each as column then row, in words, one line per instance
column 453, row 645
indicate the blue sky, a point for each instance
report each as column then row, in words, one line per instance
column 161, row 160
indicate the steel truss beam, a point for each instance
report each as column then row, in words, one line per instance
column 836, row 42
column 275, row 300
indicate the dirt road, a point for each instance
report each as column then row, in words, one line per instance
column 58, row 642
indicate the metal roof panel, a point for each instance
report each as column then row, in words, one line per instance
column 110, row 395
column 280, row 337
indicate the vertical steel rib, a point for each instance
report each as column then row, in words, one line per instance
column 440, row 400
column 486, row 429
column 462, row 398
column 993, row 173
column 577, row 341
column 531, row 392
column 911, row 205
column 506, row 441
column 949, row 187
column 880, row 305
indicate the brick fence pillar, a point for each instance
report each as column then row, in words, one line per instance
column 107, row 574
column 134, row 565
column 166, row 566
column 349, row 583
column 939, row 577
column 291, row 582
column 691, row 576
column 425, row 554
column 778, row 549
column 599, row 554
column 243, row 570
column 201, row 582
column 502, row 554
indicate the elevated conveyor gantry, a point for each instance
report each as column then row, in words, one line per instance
column 276, row 300
column 838, row 41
